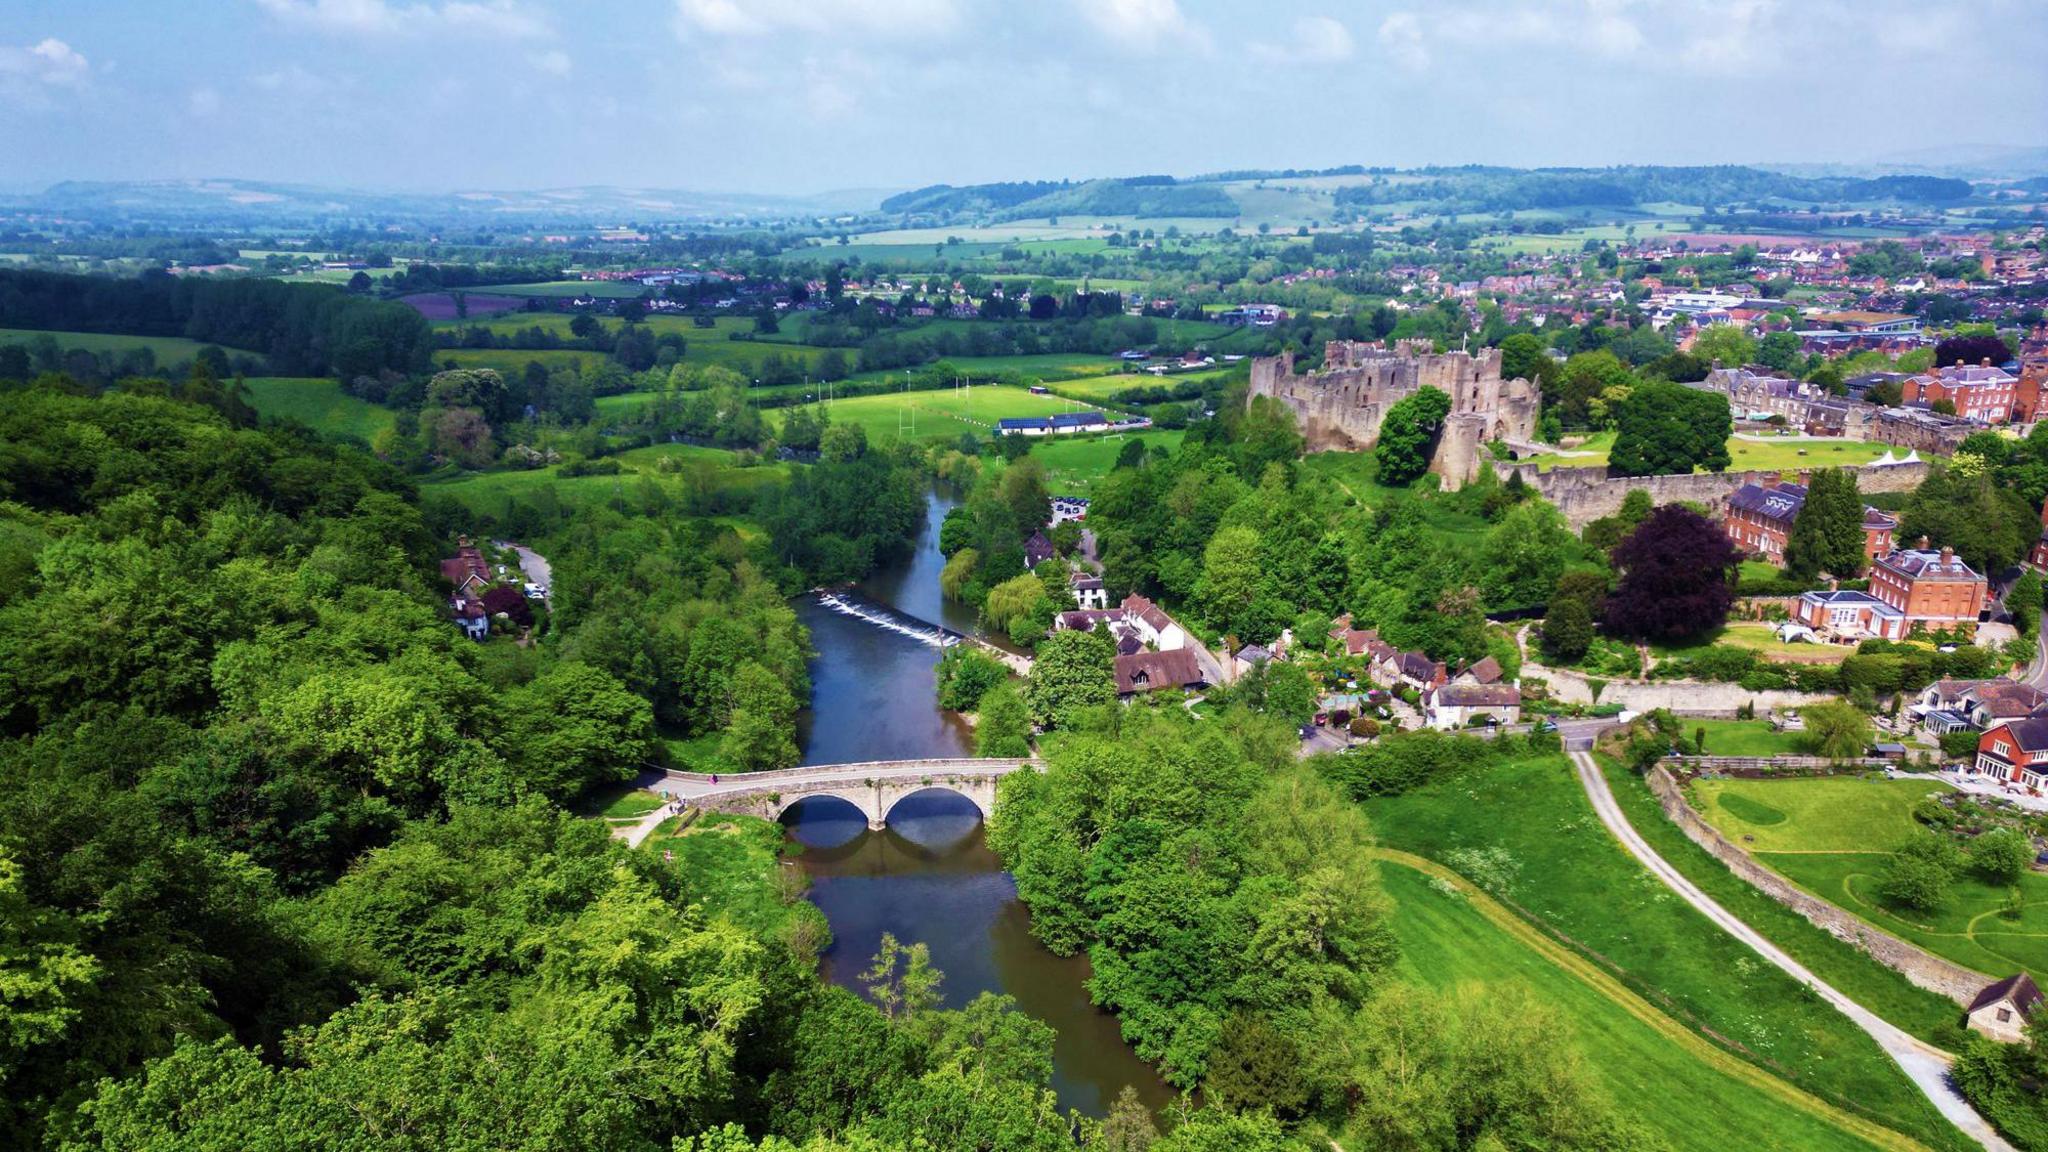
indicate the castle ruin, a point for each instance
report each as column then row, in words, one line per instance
column 1341, row 407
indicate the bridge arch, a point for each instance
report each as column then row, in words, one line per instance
column 980, row 806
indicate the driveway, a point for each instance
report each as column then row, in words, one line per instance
column 536, row 568
column 1926, row 1065
column 2036, row 673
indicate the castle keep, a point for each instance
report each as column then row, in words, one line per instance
column 1342, row 406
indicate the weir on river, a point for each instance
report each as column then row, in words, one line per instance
column 928, row 876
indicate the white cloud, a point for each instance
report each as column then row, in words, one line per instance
column 203, row 101
column 1144, row 25
column 498, row 18
column 31, row 75
column 1315, row 40
column 876, row 19
column 1400, row 38
column 554, row 62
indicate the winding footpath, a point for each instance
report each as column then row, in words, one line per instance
column 1925, row 1064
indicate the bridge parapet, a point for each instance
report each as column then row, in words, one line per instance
column 874, row 788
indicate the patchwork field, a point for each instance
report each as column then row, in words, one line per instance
column 1832, row 836
column 319, row 404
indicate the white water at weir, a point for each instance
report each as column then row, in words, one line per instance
column 926, row 635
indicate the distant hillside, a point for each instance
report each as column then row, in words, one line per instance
column 1480, row 189
column 242, row 199
column 1126, row 196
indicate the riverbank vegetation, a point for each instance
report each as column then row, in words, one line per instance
column 283, row 859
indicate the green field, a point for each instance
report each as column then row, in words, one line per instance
column 943, row 414
column 168, row 349
column 1760, row 637
column 1831, row 836
column 1785, row 454
column 696, row 469
column 606, row 289
column 1446, row 942
column 1813, row 814
column 1744, row 738
column 1074, row 464
column 1849, row 969
column 319, row 404
column 1562, row 869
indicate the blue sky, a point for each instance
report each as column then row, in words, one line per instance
column 808, row 95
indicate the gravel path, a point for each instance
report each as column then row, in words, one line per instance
column 1925, row 1064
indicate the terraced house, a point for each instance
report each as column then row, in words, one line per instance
column 1760, row 517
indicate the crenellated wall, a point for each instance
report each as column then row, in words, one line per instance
column 1342, row 406
column 1586, row 494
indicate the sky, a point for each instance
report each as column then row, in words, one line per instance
column 798, row 96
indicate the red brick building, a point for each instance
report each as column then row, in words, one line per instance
column 1760, row 517
column 1934, row 590
column 1979, row 392
column 2015, row 752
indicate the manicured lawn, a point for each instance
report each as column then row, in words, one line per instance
column 1790, row 454
column 319, row 404
column 1758, row 636
column 169, row 350
column 1786, row 454
column 619, row 802
column 1847, row 968
column 1446, row 943
column 1073, row 465
column 1812, row 814
column 1571, row 877
column 1744, row 738
column 1969, row 930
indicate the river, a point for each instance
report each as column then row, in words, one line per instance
column 930, row 876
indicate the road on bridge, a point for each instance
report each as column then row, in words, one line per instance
column 695, row 787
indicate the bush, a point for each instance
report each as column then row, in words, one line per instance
column 1919, row 874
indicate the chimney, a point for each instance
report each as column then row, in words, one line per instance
column 1923, row 543
column 1775, row 479
column 1948, row 556
column 1987, row 362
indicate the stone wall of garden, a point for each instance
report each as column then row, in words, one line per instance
column 1686, row 697
column 1916, row 964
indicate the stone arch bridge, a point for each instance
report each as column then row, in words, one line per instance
column 874, row 787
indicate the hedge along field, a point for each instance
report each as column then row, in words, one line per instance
column 169, row 349
column 1528, row 824
column 491, row 492
column 1833, row 836
column 319, row 404
column 1449, row 944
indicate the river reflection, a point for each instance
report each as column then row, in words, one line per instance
column 931, row 877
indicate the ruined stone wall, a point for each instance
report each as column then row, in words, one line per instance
column 1586, row 494
column 1923, row 968
column 1342, row 407
column 1685, row 697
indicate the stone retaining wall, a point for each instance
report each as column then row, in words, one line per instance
column 1588, row 493
column 1916, row 964
column 1686, row 697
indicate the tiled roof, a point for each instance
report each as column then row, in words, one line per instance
column 1926, row 564
column 1780, row 503
column 2019, row 987
column 1151, row 671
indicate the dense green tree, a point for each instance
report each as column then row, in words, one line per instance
column 760, row 734
column 1837, row 730
column 1575, row 603
column 1827, row 534
column 1003, row 725
column 1919, row 873
column 1408, row 434
column 1524, row 554
column 965, row 674
column 1669, row 428
column 2001, row 856
column 576, row 726
column 1988, row 524
column 1073, row 672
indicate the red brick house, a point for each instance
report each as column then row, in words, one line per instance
column 1979, row 392
column 1760, row 517
column 1934, row 590
column 2015, row 752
